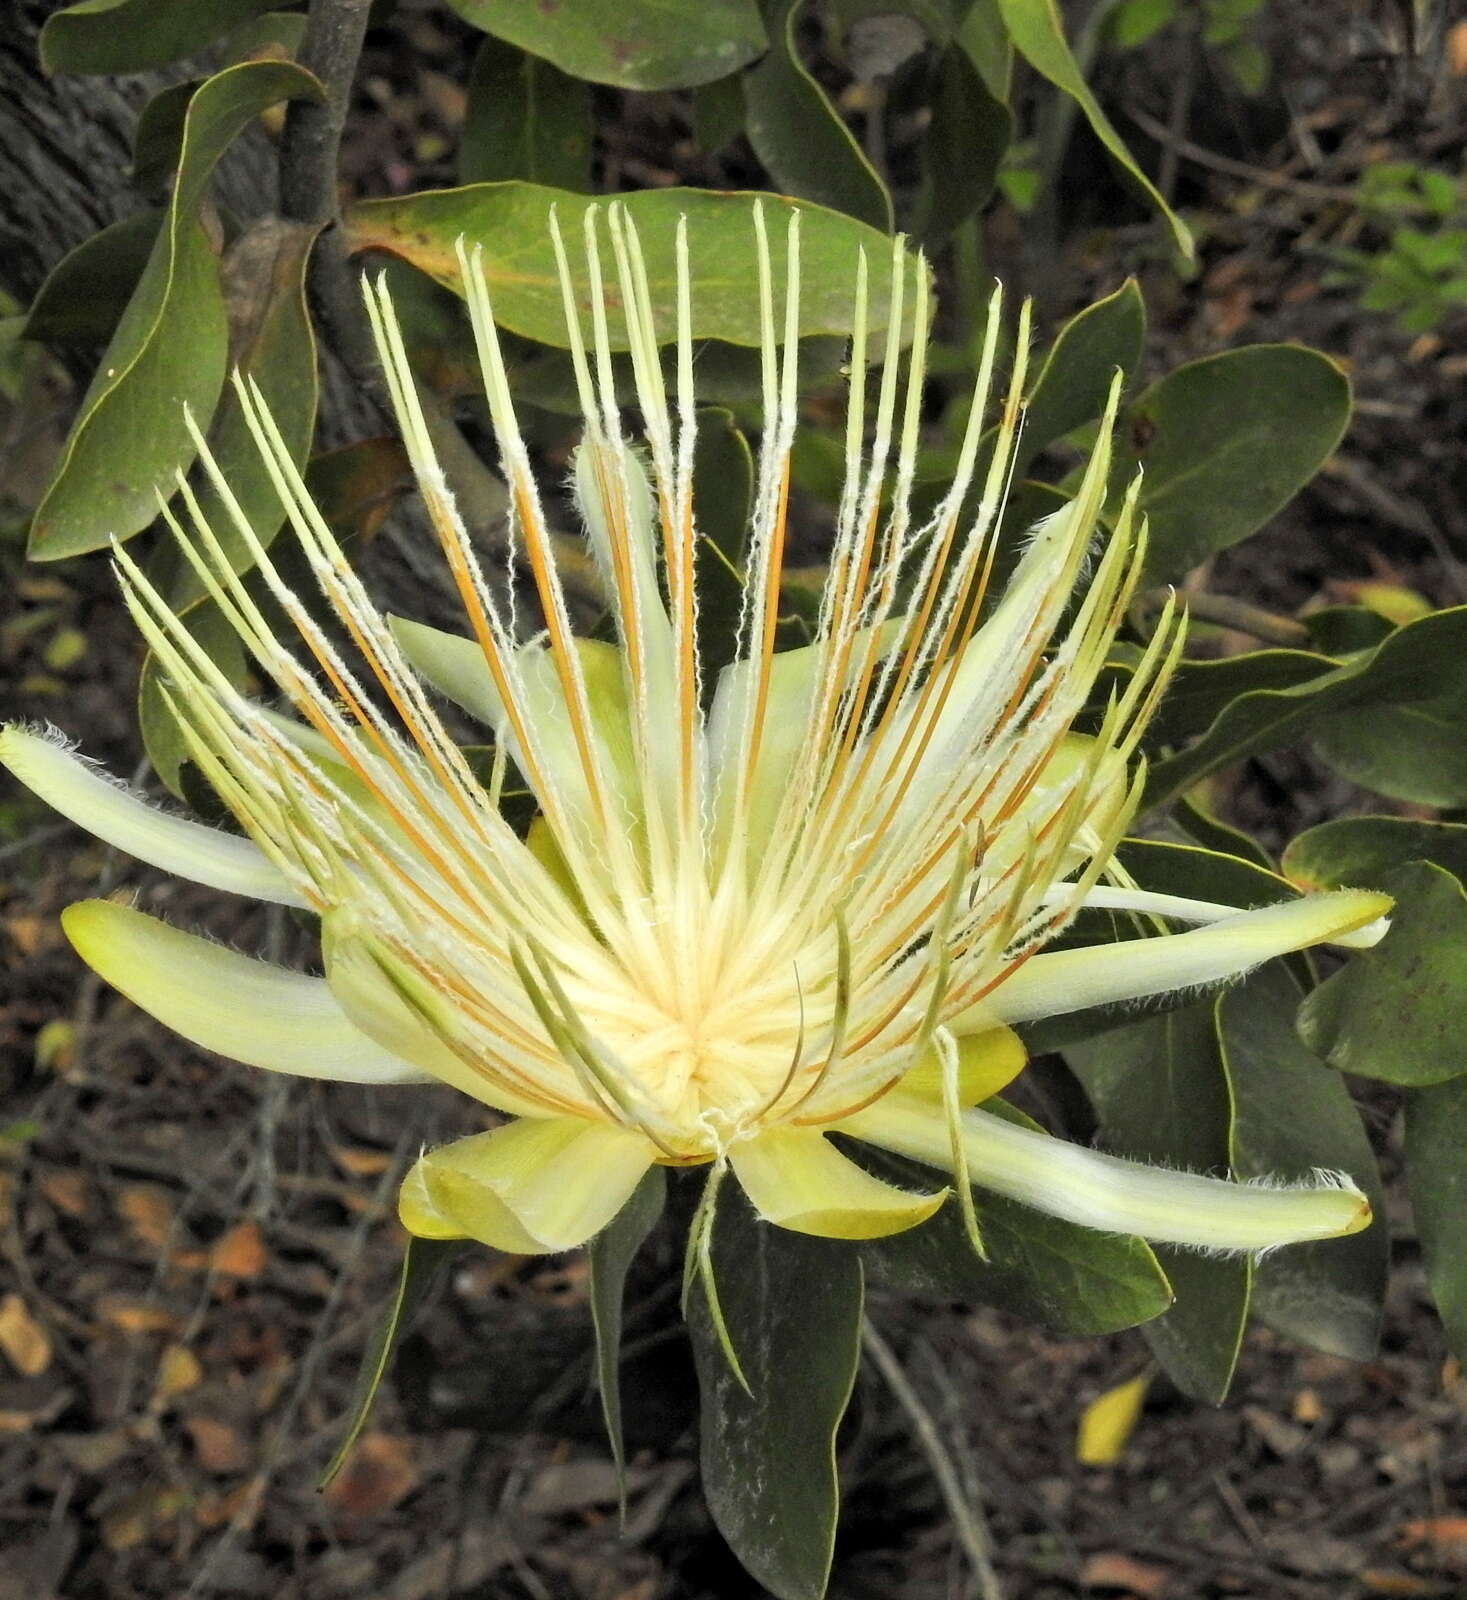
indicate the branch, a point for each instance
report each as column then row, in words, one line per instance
column 309, row 156
column 1229, row 612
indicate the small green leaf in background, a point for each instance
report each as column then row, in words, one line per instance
column 1078, row 369
column 1402, row 667
column 511, row 221
column 610, row 1256
column 965, row 143
column 792, row 1304
column 631, row 44
column 86, row 293
column 132, row 35
column 1037, row 32
column 422, row 1261
column 1358, row 852
column 524, row 119
column 983, row 35
column 1412, row 750
column 157, row 141
column 1436, row 1169
column 170, row 348
column 1292, row 1116
column 1395, row 1012
column 1225, row 442
column 1071, row 1280
column 1161, row 1094
column 802, row 138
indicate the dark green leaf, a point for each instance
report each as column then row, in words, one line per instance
column 1436, row 1167
column 1412, row 751
column 723, row 480
column 1225, row 442
column 133, row 35
column 87, row 291
column 510, row 220
column 1395, row 1012
column 1200, row 691
column 169, row 350
column 1069, row 1279
column 421, row 1262
column 983, row 35
column 157, row 142
column 1358, row 852
column 525, row 119
column 1161, row 1095
column 1404, row 666
column 1075, row 379
column 632, row 44
column 799, row 135
column 718, row 114
column 965, row 142
column 792, row 1304
column 1292, row 1116
column 273, row 343
column 1037, row 32
column 610, row 1255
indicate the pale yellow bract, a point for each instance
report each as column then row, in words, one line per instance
column 809, row 897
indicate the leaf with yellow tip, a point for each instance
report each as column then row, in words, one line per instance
column 1108, row 1422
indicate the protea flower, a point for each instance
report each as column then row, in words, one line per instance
column 809, row 898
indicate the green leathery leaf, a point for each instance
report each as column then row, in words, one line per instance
column 273, row 343
column 422, row 1261
column 1037, row 33
column 1075, row 380
column 524, row 119
column 1395, row 1012
column 965, row 142
column 170, row 348
column 1414, row 753
column 792, row 1304
column 982, row 34
column 1201, row 690
column 510, row 221
column 1071, row 1280
column 1358, row 852
column 1224, row 442
column 1405, row 666
column 630, row 44
column 610, row 1256
column 99, row 36
column 799, row 135
column 1291, row 1117
column 158, row 139
column 86, row 293
column 1436, row 1169
column 1161, row 1095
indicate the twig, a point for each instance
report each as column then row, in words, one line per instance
column 1229, row 612
column 308, row 193
column 1329, row 193
column 966, row 1516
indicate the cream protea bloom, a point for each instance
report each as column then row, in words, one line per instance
column 806, row 899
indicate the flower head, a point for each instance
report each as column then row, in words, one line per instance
column 808, row 895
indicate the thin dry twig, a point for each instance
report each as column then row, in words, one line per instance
column 966, row 1515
